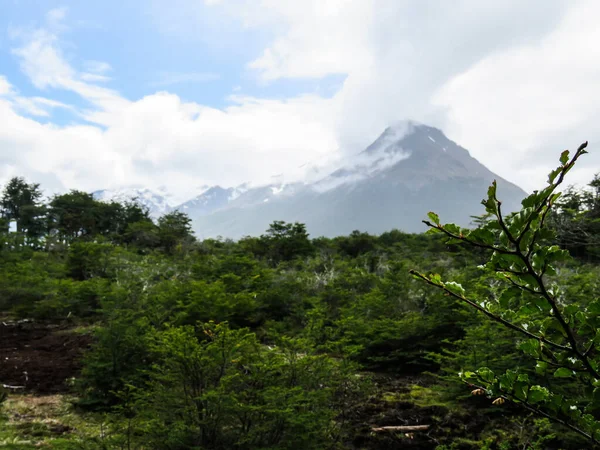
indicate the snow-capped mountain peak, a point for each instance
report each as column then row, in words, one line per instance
column 411, row 168
column 156, row 201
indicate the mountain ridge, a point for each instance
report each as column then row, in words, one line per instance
column 410, row 169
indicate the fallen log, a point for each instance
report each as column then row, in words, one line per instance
column 402, row 428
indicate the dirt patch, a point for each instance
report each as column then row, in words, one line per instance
column 40, row 357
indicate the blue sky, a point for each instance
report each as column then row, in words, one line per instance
column 144, row 55
column 183, row 93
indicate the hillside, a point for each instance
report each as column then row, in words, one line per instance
column 119, row 331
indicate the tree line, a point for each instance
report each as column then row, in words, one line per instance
column 289, row 341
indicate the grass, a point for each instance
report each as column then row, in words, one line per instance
column 83, row 329
column 50, row 421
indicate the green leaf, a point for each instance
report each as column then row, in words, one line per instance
column 455, row 288
column 486, row 374
column 492, row 190
column 490, row 203
column 531, row 347
column 552, row 176
column 507, row 380
column 537, row 260
column 555, row 401
column 563, row 372
column 541, row 367
column 542, row 304
column 452, row 228
column 520, row 390
column 564, row 157
column 538, row 394
column 569, row 311
column 596, row 396
column 594, row 307
column 482, row 236
column 509, row 294
column 523, row 377
column 433, row 217
column 531, row 200
column 436, row 278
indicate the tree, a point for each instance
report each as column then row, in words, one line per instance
column 286, row 241
column 561, row 336
column 357, row 243
column 576, row 221
column 143, row 235
column 174, row 228
column 74, row 215
column 215, row 387
column 20, row 202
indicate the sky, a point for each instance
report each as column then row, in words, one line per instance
column 187, row 93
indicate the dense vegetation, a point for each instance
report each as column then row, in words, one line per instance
column 287, row 342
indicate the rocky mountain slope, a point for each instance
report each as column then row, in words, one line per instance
column 409, row 170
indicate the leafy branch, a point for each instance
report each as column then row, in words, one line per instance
column 556, row 332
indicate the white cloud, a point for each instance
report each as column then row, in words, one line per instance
column 55, row 18
column 38, row 106
column 5, row 87
column 516, row 78
column 521, row 107
column 94, row 77
column 395, row 54
column 168, row 79
column 42, row 60
column 322, row 37
column 503, row 79
column 97, row 67
column 156, row 140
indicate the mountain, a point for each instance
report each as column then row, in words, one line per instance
column 156, row 202
column 210, row 200
column 409, row 170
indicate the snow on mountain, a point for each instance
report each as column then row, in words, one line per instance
column 408, row 170
column 208, row 201
column 239, row 190
column 156, row 202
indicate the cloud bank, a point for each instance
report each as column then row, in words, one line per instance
column 514, row 82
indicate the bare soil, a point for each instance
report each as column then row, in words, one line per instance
column 40, row 357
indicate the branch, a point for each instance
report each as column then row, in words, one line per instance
column 578, row 153
column 589, row 349
column 504, row 227
column 467, row 240
column 491, row 315
column 513, row 272
column 559, row 316
column 538, row 279
column 520, row 286
column 404, row 428
column 537, row 232
column 537, row 411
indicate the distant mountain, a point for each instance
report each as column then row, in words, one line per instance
column 409, row 170
column 212, row 199
column 156, row 202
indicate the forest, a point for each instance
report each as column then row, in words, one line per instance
column 120, row 332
